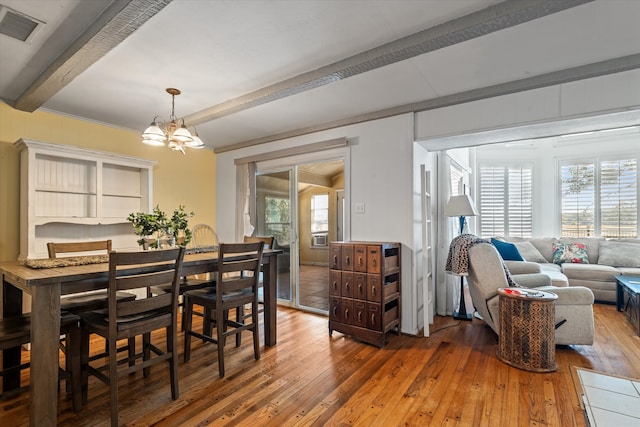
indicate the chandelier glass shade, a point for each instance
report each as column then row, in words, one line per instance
column 173, row 133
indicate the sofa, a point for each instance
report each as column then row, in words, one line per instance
column 591, row 262
column 573, row 308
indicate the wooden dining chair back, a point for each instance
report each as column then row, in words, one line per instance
column 128, row 319
column 15, row 331
column 94, row 298
column 268, row 240
column 237, row 285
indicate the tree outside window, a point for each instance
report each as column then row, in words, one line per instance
column 277, row 218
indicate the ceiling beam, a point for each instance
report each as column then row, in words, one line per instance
column 491, row 19
column 611, row 66
column 118, row 21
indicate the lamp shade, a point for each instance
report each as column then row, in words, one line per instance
column 460, row 206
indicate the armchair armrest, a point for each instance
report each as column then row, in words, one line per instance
column 523, row 267
column 572, row 295
column 533, row 280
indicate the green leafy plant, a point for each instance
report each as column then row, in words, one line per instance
column 156, row 224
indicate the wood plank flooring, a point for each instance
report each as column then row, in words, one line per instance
column 311, row 379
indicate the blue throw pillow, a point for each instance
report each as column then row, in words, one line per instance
column 508, row 251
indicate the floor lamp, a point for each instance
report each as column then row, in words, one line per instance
column 462, row 207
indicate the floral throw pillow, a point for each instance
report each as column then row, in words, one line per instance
column 570, row 252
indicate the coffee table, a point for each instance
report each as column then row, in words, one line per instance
column 628, row 298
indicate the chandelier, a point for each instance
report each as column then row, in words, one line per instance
column 173, row 133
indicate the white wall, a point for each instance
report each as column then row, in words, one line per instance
column 379, row 175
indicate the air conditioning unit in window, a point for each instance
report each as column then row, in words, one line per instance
column 319, row 240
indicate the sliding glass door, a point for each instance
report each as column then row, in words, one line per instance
column 276, row 216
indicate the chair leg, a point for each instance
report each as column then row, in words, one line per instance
column 239, row 319
column 146, row 352
column 256, row 330
column 84, row 362
column 172, row 339
column 113, row 381
column 132, row 351
column 221, row 326
column 188, row 308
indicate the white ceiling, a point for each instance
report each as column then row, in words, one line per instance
column 255, row 70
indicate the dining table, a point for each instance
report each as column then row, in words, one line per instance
column 46, row 285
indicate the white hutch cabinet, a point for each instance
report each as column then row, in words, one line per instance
column 69, row 194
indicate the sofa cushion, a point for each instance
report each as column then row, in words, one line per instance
column 543, row 244
column 619, row 254
column 590, row 272
column 529, row 252
column 575, row 253
column 508, row 251
column 592, row 243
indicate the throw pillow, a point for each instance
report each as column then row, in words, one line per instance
column 508, row 251
column 530, row 252
column 619, row 254
column 575, row 253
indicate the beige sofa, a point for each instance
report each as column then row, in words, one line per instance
column 606, row 259
column 573, row 308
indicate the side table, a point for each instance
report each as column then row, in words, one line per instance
column 527, row 337
column 628, row 298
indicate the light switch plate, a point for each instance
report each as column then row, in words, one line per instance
column 359, row 207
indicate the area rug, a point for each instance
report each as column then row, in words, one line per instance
column 607, row 400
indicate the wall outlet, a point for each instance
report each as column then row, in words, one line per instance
column 359, row 206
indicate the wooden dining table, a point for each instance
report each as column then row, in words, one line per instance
column 46, row 285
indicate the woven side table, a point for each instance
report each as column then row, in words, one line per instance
column 527, row 329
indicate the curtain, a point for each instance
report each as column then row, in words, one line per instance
column 245, row 200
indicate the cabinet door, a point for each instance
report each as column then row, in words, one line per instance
column 360, row 313
column 360, row 286
column 335, row 282
column 374, row 287
column 347, row 311
column 374, row 320
column 335, row 309
column 360, row 260
column 335, row 256
column 374, row 259
column 347, row 257
column 347, row 284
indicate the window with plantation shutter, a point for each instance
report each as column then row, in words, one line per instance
column 578, row 199
column 619, row 198
column 506, row 199
column 600, row 197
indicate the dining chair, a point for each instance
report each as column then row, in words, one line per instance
column 236, row 285
column 15, row 331
column 85, row 301
column 78, row 302
column 140, row 317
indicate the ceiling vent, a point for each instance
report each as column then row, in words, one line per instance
column 18, row 25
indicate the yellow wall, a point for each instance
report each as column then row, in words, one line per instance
column 187, row 180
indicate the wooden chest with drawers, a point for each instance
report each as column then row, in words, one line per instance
column 364, row 289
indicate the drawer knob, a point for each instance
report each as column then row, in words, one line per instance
column 347, row 260
column 374, row 262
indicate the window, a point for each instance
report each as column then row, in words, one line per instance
column 277, row 218
column 506, row 199
column 600, row 197
column 319, row 213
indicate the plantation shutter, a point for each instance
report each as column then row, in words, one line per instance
column 578, row 198
column 619, row 198
column 506, row 200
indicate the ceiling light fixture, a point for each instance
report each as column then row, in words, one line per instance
column 178, row 138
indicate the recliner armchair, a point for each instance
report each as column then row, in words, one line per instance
column 573, row 308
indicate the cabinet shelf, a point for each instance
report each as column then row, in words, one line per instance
column 70, row 194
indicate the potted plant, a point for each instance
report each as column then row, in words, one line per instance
column 156, row 228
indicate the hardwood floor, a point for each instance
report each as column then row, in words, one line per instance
column 309, row 378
